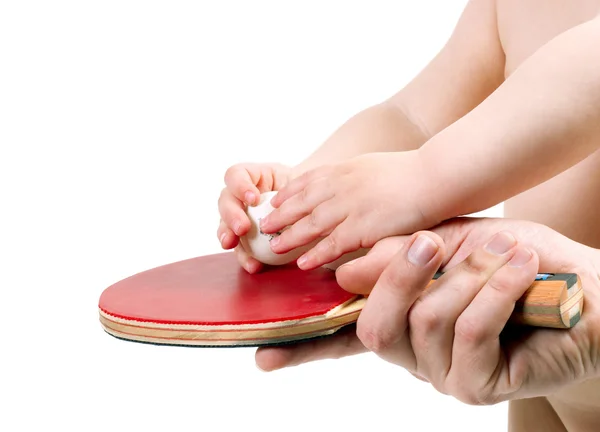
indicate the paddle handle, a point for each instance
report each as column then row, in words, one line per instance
column 554, row 300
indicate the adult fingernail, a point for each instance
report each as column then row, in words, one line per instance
column 422, row 250
column 522, row 257
column 501, row 243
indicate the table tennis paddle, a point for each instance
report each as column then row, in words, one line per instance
column 211, row 301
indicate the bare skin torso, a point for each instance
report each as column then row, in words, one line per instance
column 568, row 203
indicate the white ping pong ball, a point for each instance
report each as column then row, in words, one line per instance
column 257, row 244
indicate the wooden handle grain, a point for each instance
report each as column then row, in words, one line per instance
column 554, row 300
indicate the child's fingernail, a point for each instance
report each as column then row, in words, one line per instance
column 274, row 241
column 501, row 243
column 422, row 250
column 302, row 260
column 522, row 257
column 222, row 237
column 263, row 221
column 237, row 227
column 249, row 197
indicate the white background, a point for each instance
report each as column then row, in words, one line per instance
column 108, row 112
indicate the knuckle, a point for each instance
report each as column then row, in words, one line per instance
column 305, row 194
column 333, row 243
column 318, row 216
column 472, row 398
column 474, row 265
column 306, row 176
column 425, row 318
column 223, row 202
column 419, row 377
column 460, row 387
column 468, row 331
column 392, row 277
column 231, row 172
column 375, row 340
column 223, row 195
column 311, row 190
column 314, row 221
column 476, row 397
column 498, row 283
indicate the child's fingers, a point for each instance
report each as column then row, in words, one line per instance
column 229, row 240
column 298, row 184
column 232, row 212
column 226, row 236
column 319, row 223
column 250, row 264
column 305, row 204
column 242, row 180
column 338, row 242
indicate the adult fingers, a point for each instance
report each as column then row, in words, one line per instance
column 479, row 373
column 342, row 344
column 383, row 323
column 360, row 275
column 434, row 315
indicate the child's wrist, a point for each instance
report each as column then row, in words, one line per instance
column 433, row 200
column 297, row 170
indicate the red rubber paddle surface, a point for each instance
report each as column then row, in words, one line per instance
column 215, row 290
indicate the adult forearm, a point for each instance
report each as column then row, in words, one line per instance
column 381, row 128
column 543, row 120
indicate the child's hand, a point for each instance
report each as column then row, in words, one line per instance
column 351, row 205
column 244, row 184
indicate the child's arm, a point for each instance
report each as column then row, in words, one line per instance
column 467, row 70
column 544, row 119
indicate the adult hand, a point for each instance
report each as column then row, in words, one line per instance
column 455, row 334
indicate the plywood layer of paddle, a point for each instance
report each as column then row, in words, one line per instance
column 210, row 300
column 243, row 334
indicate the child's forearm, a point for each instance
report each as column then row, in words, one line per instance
column 543, row 120
column 465, row 71
column 380, row 128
